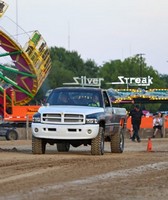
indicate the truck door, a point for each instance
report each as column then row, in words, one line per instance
column 108, row 114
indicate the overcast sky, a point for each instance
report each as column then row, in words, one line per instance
column 101, row 30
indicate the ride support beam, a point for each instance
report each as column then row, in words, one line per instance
column 10, row 53
column 7, row 80
column 17, row 71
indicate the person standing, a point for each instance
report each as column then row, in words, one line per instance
column 157, row 125
column 136, row 116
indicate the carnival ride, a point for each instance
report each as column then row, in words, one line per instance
column 3, row 7
column 21, row 80
column 31, row 65
column 127, row 96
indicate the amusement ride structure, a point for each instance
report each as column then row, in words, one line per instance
column 21, row 80
column 126, row 96
column 31, row 65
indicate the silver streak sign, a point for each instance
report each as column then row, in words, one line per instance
column 137, row 81
column 84, row 81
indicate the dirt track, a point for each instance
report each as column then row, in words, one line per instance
column 76, row 175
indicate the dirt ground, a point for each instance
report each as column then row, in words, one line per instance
column 77, row 175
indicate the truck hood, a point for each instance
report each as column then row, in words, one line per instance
column 70, row 109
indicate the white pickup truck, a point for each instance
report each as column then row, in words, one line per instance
column 75, row 116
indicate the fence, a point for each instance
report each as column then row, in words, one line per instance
column 147, row 125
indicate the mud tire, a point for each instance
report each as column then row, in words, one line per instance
column 117, row 141
column 38, row 145
column 97, row 144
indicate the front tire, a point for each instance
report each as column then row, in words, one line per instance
column 38, row 145
column 97, row 144
column 117, row 141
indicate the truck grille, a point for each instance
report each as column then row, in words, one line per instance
column 58, row 118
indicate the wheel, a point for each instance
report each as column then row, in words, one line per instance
column 63, row 147
column 38, row 145
column 97, row 144
column 117, row 141
column 11, row 135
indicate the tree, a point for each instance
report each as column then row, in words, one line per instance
column 65, row 66
column 130, row 67
column 68, row 64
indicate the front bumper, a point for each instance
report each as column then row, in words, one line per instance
column 67, row 132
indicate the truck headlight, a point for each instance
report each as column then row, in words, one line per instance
column 91, row 119
column 37, row 118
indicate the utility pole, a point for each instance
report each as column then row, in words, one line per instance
column 140, row 66
column 69, row 39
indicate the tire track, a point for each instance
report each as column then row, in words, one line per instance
column 88, row 180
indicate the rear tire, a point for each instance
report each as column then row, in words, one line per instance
column 63, row 147
column 117, row 141
column 11, row 135
column 97, row 144
column 38, row 145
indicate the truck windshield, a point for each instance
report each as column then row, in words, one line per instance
column 75, row 97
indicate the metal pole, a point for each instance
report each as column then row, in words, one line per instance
column 16, row 20
column 27, row 126
column 140, row 67
column 163, row 126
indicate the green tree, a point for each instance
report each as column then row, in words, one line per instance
column 67, row 64
column 130, row 67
